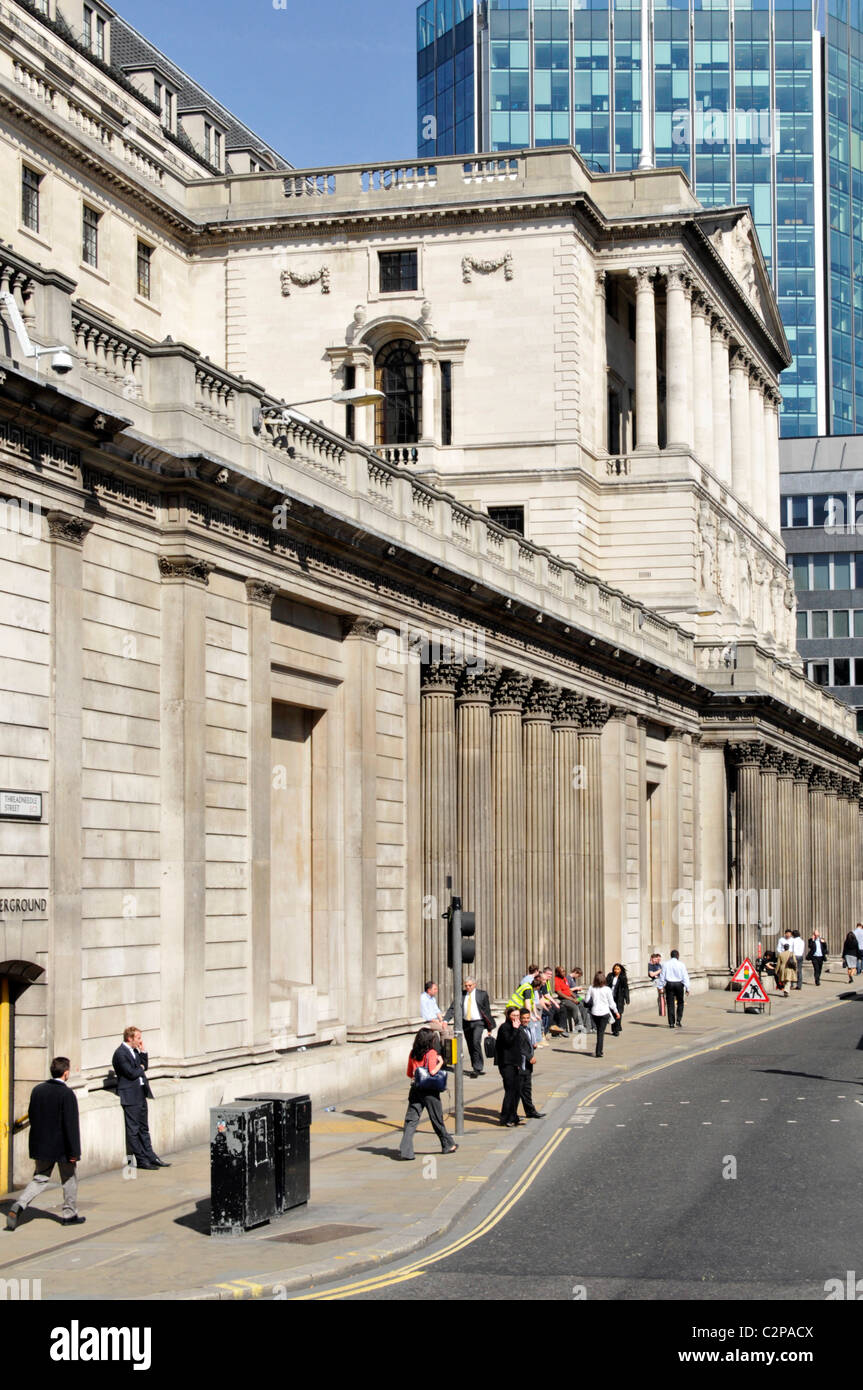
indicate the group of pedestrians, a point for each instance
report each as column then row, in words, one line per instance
column 784, row 966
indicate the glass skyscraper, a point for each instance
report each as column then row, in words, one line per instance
column 759, row 101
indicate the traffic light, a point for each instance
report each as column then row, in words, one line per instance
column 461, row 946
column 468, row 938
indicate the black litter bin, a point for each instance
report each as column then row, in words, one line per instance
column 242, row 1167
column 292, row 1116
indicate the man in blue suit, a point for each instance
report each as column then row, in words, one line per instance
column 54, row 1138
column 130, row 1062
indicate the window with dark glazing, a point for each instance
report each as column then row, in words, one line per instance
column 398, row 374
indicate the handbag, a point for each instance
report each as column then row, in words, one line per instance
column 432, row 1085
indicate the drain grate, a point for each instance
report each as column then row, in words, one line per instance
column 319, row 1235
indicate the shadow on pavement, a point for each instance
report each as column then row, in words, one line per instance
column 197, row 1220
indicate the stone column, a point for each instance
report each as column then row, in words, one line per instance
column 67, row 534
column 747, row 758
column 721, row 397
column 601, row 359
column 260, row 596
column 702, row 378
column 360, row 641
column 438, row 795
column 183, row 787
column 507, row 783
column 430, row 433
column 771, row 458
column 538, row 822
column 857, row 914
column 818, row 905
column 364, row 429
column 769, row 868
column 802, row 866
column 678, row 362
column 568, row 789
column 646, row 391
column 831, row 803
column 740, row 427
column 756, row 447
column 475, row 882
column 849, row 818
column 786, row 883
column 593, row 715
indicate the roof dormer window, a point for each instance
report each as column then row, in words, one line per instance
column 95, row 32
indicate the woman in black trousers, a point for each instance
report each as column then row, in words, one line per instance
column 619, row 986
column 424, row 1053
column 509, row 1058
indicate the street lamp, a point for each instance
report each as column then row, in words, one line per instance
column 62, row 360
column 280, row 414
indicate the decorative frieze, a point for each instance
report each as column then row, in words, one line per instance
column 471, row 264
column 303, row 280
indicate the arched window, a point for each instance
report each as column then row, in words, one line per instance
column 398, row 373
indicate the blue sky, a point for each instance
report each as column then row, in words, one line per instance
column 323, row 81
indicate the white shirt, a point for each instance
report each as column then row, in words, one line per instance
column 600, row 1001
column 784, row 943
column 858, row 932
column 135, row 1055
column 674, row 972
column 429, row 1008
column 797, row 946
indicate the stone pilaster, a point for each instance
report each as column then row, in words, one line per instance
column 538, row 819
column 747, row 758
column 475, row 882
column 183, row 824
column 360, row 644
column 646, row 393
column 260, row 596
column 568, row 789
column 601, row 359
column 769, row 874
column 430, row 375
column 831, row 820
column 721, row 397
column 818, row 904
column 740, row 426
column 440, row 842
column 678, row 362
column 757, row 471
column 788, row 916
column 702, row 378
column 802, row 844
column 593, row 715
column 67, row 534
column 771, row 458
column 507, row 781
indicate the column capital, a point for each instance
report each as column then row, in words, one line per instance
column 442, row 676
column 787, row 766
column 593, row 715
column 739, row 359
column 748, row 754
column 719, row 330
column 599, row 277
column 65, row 526
column 643, row 277
column 511, row 691
column 541, row 700
column 675, row 277
column 567, row 711
column 818, row 779
column 185, row 568
column 771, row 760
column 258, row 591
column 476, row 684
column 802, row 769
column 363, row 628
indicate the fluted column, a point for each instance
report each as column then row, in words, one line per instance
column 849, row 817
column 475, row 819
column 740, row 453
column 438, row 795
column 678, row 362
column 785, row 846
column 831, row 803
column 802, row 846
column 430, row 372
column 568, row 789
column 601, row 359
column 858, row 860
column 756, row 447
column 721, row 396
column 769, row 866
column 771, row 458
column 818, row 905
column 702, row 378
column 593, row 716
column 538, row 819
column 646, row 392
column 507, row 783
column 747, row 758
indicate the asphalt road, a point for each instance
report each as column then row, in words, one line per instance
column 733, row 1175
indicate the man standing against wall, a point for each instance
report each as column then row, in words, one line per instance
column 130, row 1062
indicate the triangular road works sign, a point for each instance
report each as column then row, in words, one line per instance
column 752, row 993
column 743, row 973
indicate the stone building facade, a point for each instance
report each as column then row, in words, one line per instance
column 269, row 680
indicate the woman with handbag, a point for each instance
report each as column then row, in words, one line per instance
column 600, row 1000
column 619, row 985
column 510, row 1059
column 427, row 1075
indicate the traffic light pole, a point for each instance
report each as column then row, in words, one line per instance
column 457, row 1018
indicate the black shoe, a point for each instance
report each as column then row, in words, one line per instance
column 160, row 1163
column 511, row 1124
column 678, row 1025
column 536, row 1115
column 407, row 1158
column 451, row 1150
column 73, row 1220
column 12, row 1216
column 145, row 1165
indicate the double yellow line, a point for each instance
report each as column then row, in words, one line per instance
column 417, row 1270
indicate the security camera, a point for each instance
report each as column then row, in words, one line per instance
column 62, row 362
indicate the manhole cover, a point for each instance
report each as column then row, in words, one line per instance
column 318, row 1235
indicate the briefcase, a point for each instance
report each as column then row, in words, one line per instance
column 489, row 1044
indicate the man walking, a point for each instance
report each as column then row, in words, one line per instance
column 54, row 1138
column 130, row 1062
column 478, row 1019
column 817, row 953
column 674, row 979
column 798, row 951
column 858, row 935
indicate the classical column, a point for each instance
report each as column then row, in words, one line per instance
column 66, row 534
column 747, row 758
column 848, row 804
column 601, row 359
column 702, row 378
column 740, row 426
column 857, row 914
column 770, row 886
column 831, row 802
column 788, row 917
column 260, row 596
column 771, row 458
column 438, row 795
column 593, row 715
column 756, row 447
column 507, row 785
column 430, row 433
column 475, row 819
column 721, row 398
column 646, row 392
column 678, row 362
column 538, row 822
column 818, row 866
column 183, row 795
column 362, row 360
column 568, row 789
column 802, row 847
column 360, row 643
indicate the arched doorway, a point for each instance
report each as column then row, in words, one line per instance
column 15, row 977
column 398, row 373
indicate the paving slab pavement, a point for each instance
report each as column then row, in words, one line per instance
column 365, row 1207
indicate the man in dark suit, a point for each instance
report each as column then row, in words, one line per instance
column 817, row 953
column 54, row 1138
column 130, row 1062
column 478, row 1019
